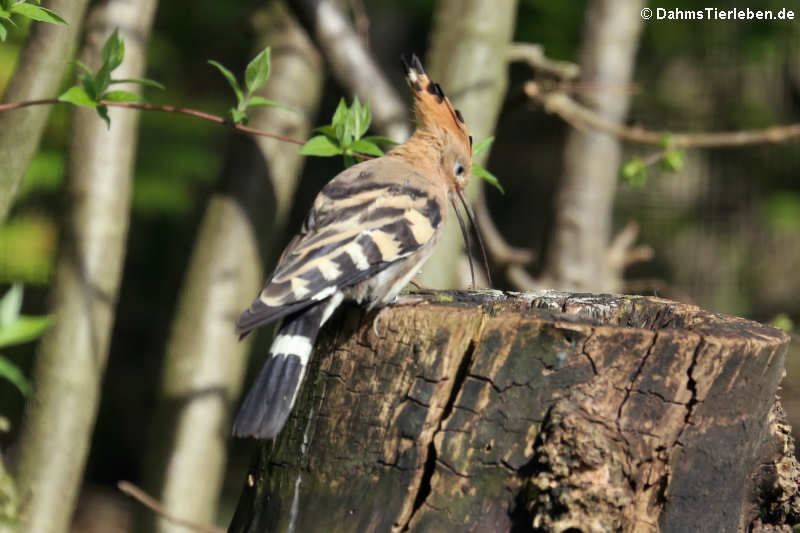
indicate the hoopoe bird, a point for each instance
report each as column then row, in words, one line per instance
column 368, row 233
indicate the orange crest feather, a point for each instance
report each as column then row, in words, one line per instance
column 432, row 108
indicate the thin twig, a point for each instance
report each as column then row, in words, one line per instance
column 165, row 108
column 582, row 118
column 151, row 503
column 533, row 55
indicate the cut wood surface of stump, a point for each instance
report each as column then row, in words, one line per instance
column 505, row 412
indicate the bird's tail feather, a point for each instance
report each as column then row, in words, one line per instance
column 271, row 397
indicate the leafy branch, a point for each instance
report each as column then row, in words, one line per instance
column 17, row 329
column 93, row 89
column 255, row 76
column 24, row 8
column 345, row 135
column 669, row 159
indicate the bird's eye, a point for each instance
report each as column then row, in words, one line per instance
column 458, row 169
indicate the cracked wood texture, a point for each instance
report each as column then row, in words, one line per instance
column 490, row 412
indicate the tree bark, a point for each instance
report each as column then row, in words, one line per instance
column 490, row 411
column 577, row 258
column 467, row 58
column 353, row 65
column 41, row 65
column 72, row 356
column 205, row 362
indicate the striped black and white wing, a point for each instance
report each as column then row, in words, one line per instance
column 361, row 222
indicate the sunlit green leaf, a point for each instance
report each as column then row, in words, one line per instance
column 238, row 116
column 3, row 32
column 23, row 329
column 365, row 147
column 257, row 71
column 141, row 81
column 41, row 14
column 483, row 145
column 783, row 322
column 122, row 96
column 12, row 373
column 320, row 146
column 635, row 172
column 377, row 139
column 327, row 130
column 672, row 160
column 113, row 51
column 231, row 80
column 77, row 95
column 10, row 305
column 480, row 172
column 258, row 101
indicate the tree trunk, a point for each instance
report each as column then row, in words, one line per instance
column 577, row 258
column 545, row 411
column 467, row 55
column 42, row 63
column 205, row 361
column 72, row 357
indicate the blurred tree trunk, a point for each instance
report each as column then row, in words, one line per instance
column 505, row 412
column 578, row 255
column 72, row 356
column 353, row 65
column 467, row 58
column 40, row 68
column 205, row 361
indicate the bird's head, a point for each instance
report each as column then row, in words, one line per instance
column 436, row 116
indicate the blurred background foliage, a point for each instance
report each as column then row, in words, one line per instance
column 726, row 229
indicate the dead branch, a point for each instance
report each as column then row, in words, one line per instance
column 533, row 55
column 583, row 118
column 151, row 503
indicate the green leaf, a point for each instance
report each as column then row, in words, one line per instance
column 377, row 139
column 122, row 96
column 3, row 32
column 320, row 146
column 113, row 51
column 672, row 160
column 87, row 82
column 483, row 145
column 364, row 119
column 41, row 14
column 339, row 121
column 83, row 66
column 349, row 161
column 635, row 172
column 365, row 147
column 257, row 71
column 782, row 321
column 23, row 329
column 231, row 80
column 488, row 177
column 258, row 101
column 10, row 305
column 103, row 112
column 12, row 373
column 666, row 140
column 141, row 81
column 78, row 96
column 327, row 130
column 238, row 116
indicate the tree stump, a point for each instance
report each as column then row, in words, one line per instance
column 505, row 412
